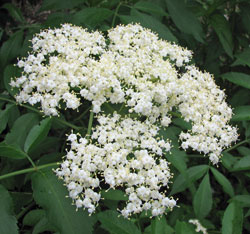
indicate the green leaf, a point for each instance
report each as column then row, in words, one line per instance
column 192, row 174
column 241, row 113
column 178, row 159
column 55, row 19
column 112, row 222
column 8, row 222
column 11, row 48
column 244, row 200
column 184, row 228
column 243, row 164
column 42, row 226
column 114, row 194
column 223, row 181
column 91, row 16
column 242, row 58
column 245, row 16
column 14, row 12
column 232, row 219
column 10, row 72
column 4, row 116
column 243, row 150
column 20, row 129
column 50, row 193
column 202, row 202
column 238, row 78
column 37, row 134
column 223, row 31
column 33, row 217
column 59, row 4
column 150, row 7
column 184, row 19
column 159, row 226
column 149, row 21
column 228, row 160
column 11, row 151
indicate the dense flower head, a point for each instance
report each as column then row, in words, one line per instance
column 122, row 152
column 129, row 65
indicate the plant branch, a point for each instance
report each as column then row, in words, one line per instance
column 27, row 170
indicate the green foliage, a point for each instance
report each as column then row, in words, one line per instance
column 50, row 194
column 218, row 33
column 8, row 222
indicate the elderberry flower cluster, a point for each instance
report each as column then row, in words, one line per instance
column 124, row 153
column 151, row 77
column 132, row 66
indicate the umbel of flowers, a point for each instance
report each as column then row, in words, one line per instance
column 131, row 66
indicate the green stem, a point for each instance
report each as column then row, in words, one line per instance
column 67, row 124
column 27, row 170
column 91, row 117
column 31, row 161
column 41, row 113
column 115, row 14
column 235, row 146
column 81, row 115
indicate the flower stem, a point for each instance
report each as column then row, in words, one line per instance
column 235, row 146
column 115, row 14
column 91, row 117
column 27, row 170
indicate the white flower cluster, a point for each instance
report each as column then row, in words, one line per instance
column 199, row 227
column 57, row 66
column 132, row 66
column 152, row 77
column 203, row 103
column 123, row 153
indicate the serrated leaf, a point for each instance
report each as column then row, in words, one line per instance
column 11, row 151
column 150, row 22
column 14, row 12
column 50, row 193
column 232, row 219
column 8, row 222
column 242, row 58
column 91, row 16
column 37, row 134
column 4, row 115
column 160, row 226
column 223, row 31
column 33, row 217
column 242, row 165
column 11, row 48
column 114, row 194
column 202, row 202
column 238, row 78
column 223, row 181
column 192, row 174
column 184, row 19
column 20, row 129
column 241, row 113
column 244, row 200
column 112, row 222
column 150, row 7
